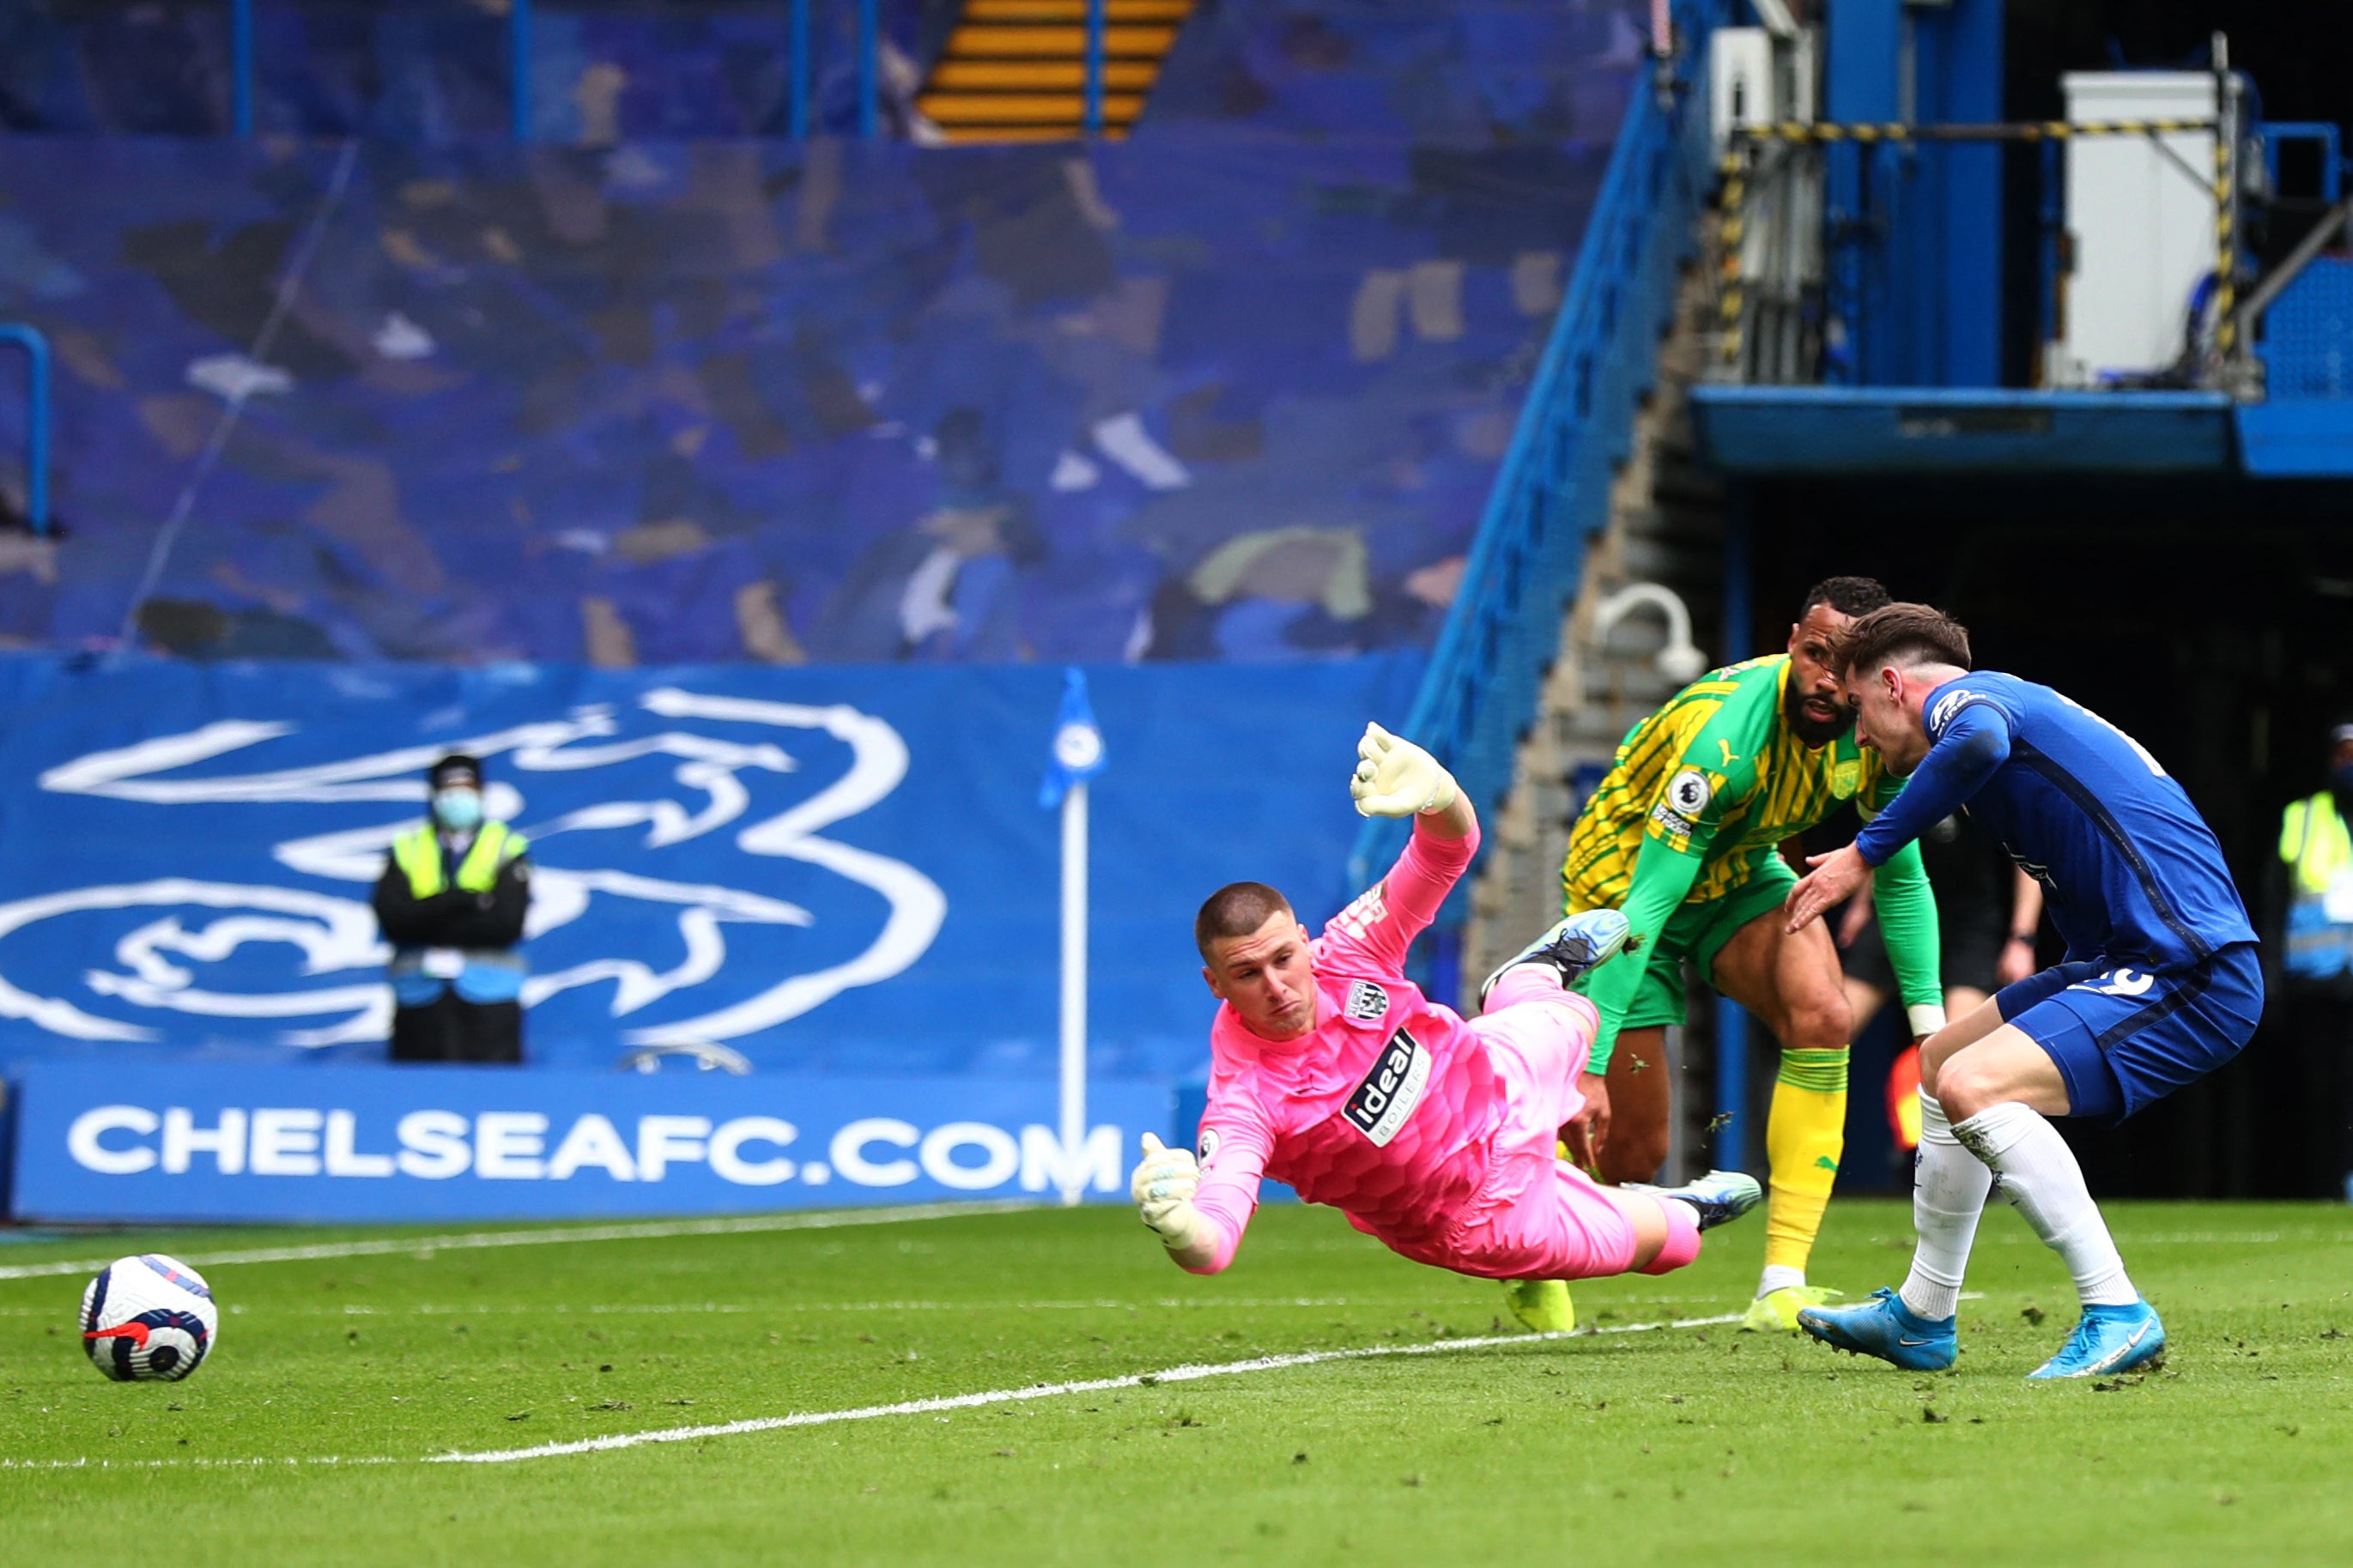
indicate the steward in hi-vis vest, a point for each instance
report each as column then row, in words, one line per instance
column 451, row 902
column 2316, row 847
column 2313, row 1013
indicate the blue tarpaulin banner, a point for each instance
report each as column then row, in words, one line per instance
column 206, row 1141
column 829, row 870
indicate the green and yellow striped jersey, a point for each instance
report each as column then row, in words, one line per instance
column 1719, row 752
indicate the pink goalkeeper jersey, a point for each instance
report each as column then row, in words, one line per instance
column 1389, row 1111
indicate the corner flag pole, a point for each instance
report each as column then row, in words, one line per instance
column 1078, row 756
column 1074, row 992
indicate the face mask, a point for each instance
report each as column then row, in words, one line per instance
column 2341, row 780
column 459, row 809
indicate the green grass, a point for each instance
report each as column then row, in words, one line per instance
column 1695, row 1446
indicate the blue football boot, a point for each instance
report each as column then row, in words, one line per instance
column 1885, row 1327
column 2108, row 1340
column 1720, row 1195
column 1570, row 948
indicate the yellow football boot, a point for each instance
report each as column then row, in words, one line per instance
column 1776, row 1312
column 1541, row 1305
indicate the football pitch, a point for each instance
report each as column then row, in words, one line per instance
column 985, row 1387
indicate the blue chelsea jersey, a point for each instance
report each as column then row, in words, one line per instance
column 2130, row 871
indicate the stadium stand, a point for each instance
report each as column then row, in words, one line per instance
column 1236, row 388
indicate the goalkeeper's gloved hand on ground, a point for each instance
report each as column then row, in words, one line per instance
column 1163, row 1187
column 1396, row 778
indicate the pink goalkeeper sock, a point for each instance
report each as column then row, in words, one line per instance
column 1683, row 1238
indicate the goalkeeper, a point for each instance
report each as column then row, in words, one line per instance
column 1682, row 836
column 1330, row 1071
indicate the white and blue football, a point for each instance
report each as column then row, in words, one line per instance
column 148, row 1319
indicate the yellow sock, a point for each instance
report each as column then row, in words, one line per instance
column 1804, row 1136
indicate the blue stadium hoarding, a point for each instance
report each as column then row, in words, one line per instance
column 837, row 871
column 206, row 1141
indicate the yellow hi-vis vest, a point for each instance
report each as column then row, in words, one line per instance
column 2316, row 846
column 417, row 852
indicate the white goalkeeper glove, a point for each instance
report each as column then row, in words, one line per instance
column 1163, row 1188
column 1396, row 778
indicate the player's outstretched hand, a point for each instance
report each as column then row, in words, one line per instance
column 1834, row 876
column 1396, row 778
column 1163, row 1187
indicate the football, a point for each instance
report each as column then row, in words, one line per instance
column 148, row 1319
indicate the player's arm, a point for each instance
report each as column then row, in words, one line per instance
column 1973, row 745
column 1673, row 848
column 1908, row 923
column 1395, row 777
column 1714, row 771
column 2025, row 923
column 1665, row 869
column 1199, row 1214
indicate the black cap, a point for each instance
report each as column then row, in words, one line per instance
column 457, row 768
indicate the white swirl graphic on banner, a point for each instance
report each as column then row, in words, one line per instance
column 337, row 936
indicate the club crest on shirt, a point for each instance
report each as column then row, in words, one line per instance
column 1367, row 1002
column 1390, row 1091
column 1845, row 777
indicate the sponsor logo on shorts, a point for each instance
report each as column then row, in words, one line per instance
column 1367, row 1002
column 2117, row 982
column 1390, row 1091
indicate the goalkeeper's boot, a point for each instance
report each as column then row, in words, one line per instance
column 1570, row 948
column 1885, row 1327
column 1720, row 1197
column 1541, row 1305
column 2108, row 1340
column 1776, row 1312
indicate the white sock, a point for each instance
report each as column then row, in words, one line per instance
column 1948, row 1192
column 2039, row 1174
column 1779, row 1277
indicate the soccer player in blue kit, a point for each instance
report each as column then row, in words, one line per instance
column 2159, row 987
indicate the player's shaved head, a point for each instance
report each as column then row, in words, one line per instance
column 1900, row 634
column 1847, row 596
column 1238, row 908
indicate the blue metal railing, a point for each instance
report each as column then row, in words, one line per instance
column 1479, row 694
column 1096, row 10
column 37, row 421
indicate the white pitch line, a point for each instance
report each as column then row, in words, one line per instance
column 1186, row 1374
column 639, row 1231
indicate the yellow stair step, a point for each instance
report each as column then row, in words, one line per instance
column 1076, row 10
column 983, row 75
column 969, row 42
column 999, row 107
column 971, row 136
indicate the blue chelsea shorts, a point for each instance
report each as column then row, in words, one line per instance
column 2123, row 1036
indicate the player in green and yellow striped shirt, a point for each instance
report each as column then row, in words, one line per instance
column 1684, row 836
